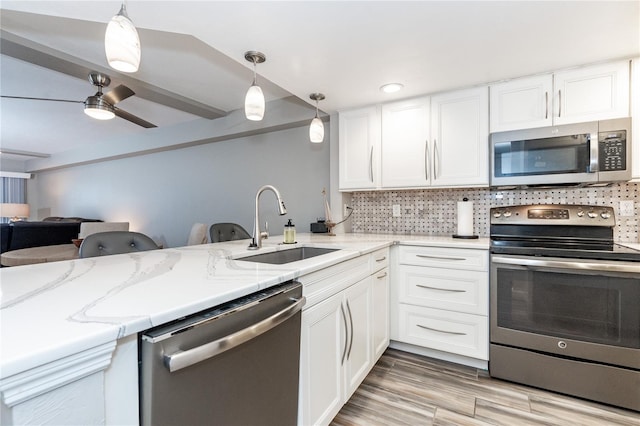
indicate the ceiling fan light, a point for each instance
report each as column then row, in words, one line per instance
column 316, row 130
column 254, row 103
column 96, row 107
column 121, row 43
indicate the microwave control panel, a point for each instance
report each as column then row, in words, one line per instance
column 612, row 151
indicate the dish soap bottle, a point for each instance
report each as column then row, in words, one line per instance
column 289, row 233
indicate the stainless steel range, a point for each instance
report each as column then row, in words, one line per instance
column 565, row 303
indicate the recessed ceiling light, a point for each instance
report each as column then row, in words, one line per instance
column 391, row 87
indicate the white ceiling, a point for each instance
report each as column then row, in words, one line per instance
column 344, row 49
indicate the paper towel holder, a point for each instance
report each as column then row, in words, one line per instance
column 466, row 237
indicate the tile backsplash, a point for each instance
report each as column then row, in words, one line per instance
column 433, row 211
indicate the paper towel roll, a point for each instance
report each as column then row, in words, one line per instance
column 465, row 218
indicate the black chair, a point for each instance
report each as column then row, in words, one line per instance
column 115, row 242
column 227, row 232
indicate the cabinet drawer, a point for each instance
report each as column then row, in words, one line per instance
column 453, row 332
column 379, row 260
column 444, row 257
column 449, row 289
column 319, row 285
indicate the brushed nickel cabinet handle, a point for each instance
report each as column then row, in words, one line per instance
column 452, row 290
column 426, row 159
column 382, row 259
column 546, row 102
column 351, row 321
column 435, row 159
column 456, row 333
column 424, row 256
column 346, row 334
column 381, row 276
column 559, row 103
column 371, row 165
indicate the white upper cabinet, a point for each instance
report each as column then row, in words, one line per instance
column 359, row 149
column 522, row 103
column 635, row 119
column 460, row 138
column 597, row 92
column 405, row 138
column 592, row 93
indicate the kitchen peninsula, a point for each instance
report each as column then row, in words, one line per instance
column 69, row 329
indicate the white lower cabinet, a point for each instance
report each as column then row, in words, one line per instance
column 358, row 354
column 442, row 297
column 380, row 296
column 342, row 336
column 321, row 369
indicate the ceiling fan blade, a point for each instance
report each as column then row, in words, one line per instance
column 118, row 94
column 132, row 118
column 41, row 99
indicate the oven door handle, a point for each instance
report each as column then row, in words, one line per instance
column 574, row 265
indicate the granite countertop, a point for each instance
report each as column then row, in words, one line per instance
column 52, row 310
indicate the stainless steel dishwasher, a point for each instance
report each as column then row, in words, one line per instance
column 235, row 364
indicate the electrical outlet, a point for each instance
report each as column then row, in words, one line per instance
column 626, row 208
column 396, row 210
column 345, row 210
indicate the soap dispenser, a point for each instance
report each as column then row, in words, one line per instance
column 289, row 233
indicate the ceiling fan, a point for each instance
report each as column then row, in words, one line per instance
column 102, row 105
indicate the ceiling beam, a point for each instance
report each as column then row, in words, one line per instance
column 38, row 54
column 24, row 153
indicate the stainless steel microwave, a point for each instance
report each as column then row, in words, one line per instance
column 582, row 153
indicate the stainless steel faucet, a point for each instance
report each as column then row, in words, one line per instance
column 256, row 242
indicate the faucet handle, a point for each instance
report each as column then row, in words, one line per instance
column 265, row 233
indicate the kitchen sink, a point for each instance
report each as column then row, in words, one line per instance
column 287, row 256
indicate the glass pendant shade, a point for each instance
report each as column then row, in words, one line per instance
column 97, row 108
column 316, row 130
column 254, row 103
column 122, row 44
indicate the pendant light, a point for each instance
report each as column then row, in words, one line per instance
column 254, row 101
column 316, row 129
column 121, row 43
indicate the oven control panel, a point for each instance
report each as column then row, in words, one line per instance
column 553, row 214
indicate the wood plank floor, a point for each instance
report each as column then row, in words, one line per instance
column 407, row 389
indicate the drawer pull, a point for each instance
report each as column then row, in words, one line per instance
column 382, row 259
column 440, row 257
column 442, row 331
column 381, row 276
column 453, row 290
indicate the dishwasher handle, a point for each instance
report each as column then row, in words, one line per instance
column 183, row 359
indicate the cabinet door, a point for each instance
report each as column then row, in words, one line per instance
column 460, row 138
column 521, row 104
column 380, row 310
column 358, row 303
column 405, row 134
column 359, row 145
column 591, row 93
column 322, row 345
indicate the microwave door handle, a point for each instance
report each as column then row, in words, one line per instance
column 593, row 152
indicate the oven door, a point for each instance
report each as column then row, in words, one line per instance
column 586, row 309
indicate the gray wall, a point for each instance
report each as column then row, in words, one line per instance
column 163, row 194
